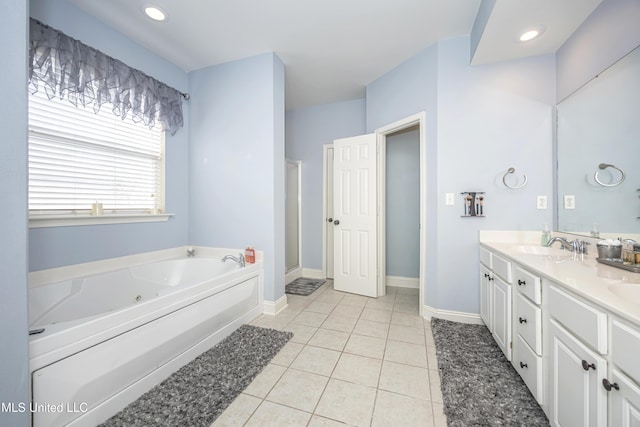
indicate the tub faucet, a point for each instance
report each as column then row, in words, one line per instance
column 191, row 252
column 239, row 259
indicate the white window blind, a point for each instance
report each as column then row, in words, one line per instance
column 78, row 157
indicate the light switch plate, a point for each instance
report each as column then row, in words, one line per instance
column 541, row 202
column 569, row 202
column 448, row 200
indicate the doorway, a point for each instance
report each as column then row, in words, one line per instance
column 293, row 244
column 416, row 121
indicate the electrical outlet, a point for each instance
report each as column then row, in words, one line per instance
column 541, row 202
column 448, row 200
column 569, row 202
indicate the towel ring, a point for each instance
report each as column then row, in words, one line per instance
column 602, row 166
column 513, row 187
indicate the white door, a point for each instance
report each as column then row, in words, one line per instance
column 355, row 215
column 329, row 213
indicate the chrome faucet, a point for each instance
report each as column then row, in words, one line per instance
column 577, row 246
column 239, row 259
column 564, row 244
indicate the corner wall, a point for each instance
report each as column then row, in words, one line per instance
column 14, row 369
column 237, row 166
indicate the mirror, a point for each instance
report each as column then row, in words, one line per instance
column 599, row 140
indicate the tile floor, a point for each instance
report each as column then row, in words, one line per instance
column 353, row 361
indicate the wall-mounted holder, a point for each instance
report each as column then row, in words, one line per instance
column 513, row 187
column 603, row 166
column 473, row 202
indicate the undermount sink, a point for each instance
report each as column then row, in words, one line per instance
column 627, row 291
column 541, row 250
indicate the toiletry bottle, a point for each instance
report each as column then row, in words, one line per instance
column 250, row 255
column 594, row 231
column 546, row 235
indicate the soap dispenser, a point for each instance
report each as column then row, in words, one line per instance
column 546, row 235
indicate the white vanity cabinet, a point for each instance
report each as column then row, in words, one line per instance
column 575, row 344
column 527, row 330
column 495, row 297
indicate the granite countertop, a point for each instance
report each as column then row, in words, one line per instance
column 613, row 289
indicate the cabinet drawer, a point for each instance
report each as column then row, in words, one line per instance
column 527, row 284
column 501, row 267
column 529, row 366
column 625, row 349
column 583, row 320
column 529, row 323
column 485, row 257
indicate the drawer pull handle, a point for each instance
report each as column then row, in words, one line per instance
column 608, row 386
column 486, row 275
column 521, row 320
column 521, row 282
column 586, row 365
column 523, row 365
column 490, row 278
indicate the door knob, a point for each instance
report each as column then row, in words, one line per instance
column 330, row 220
column 336, row 222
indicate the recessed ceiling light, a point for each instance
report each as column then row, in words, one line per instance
column 155, row 13
column 532, row 33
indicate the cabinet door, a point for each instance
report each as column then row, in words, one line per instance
column 577, row 397
column 485, row 296
column 501, row 315
column 625, row 402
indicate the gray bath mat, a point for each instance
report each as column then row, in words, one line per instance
column 479, row 385
column 200, row 391
column 303, row 286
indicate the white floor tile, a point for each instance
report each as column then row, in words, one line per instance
column 396, row 410
column 288, row 354
column 301, row 333
column 264, row 382
column 407, row 334
column 358, row 369
column 404, row 379
column 366, row 346
column 316, row 360
column 371, row 329
column 347, row 402
column 406, row 353
column 238, row 412
column 275, row 415
column 297, row 389
column 309, row 318
column 375, row 315
column 326, row 338
column 339, row 323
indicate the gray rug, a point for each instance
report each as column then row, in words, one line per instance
column 303, row 286
column 200, row 391
column 479, row 385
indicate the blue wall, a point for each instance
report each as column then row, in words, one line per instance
column 236, row 176
column 307, row 130
column 14, row 369
column 59, row 246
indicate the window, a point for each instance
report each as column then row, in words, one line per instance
column 78, row 158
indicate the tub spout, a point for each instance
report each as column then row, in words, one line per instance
column 239, row 259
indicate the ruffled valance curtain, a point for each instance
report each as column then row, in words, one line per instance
column 69, row 69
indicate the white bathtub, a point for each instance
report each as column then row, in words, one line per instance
column 113, row 329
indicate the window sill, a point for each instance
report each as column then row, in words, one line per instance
column 41, row 221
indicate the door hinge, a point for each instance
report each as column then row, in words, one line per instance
column 510, row 344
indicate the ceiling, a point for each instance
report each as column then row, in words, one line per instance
column 333, row 48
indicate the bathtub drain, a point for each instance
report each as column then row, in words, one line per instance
column 138, row 298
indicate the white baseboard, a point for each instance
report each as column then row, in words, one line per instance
column 403, row 282
column 275, row 307
column 455, row 316
column 293, row 275
column 312, row 273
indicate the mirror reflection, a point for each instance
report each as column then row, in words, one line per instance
column 599, row 153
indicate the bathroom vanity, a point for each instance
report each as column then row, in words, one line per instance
column 569, row 325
